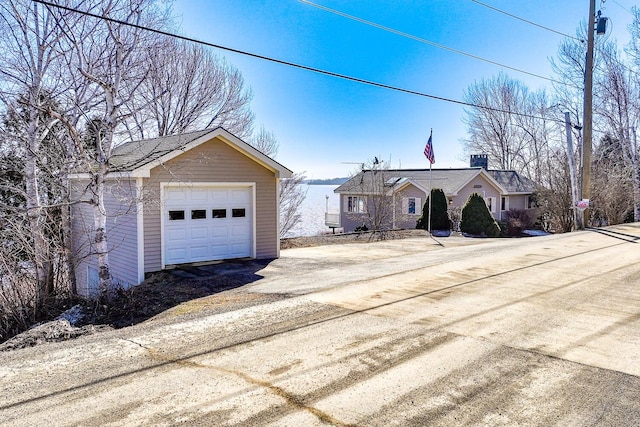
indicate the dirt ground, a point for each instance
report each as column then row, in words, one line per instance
column 330, row 239
column 166, row 290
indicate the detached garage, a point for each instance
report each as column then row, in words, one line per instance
column 196, row 197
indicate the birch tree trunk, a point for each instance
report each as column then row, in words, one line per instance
column 100, row 230
column 41, row 256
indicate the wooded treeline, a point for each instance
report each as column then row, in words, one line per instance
column 71, row 88
column 524, row 130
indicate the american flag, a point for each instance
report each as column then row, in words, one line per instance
column 428, row 151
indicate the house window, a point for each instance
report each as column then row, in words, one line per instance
column 198, row 214
column 176, row 215
column 504, row 203
column 238, row 213
column 355, row 204
column 411, row 205
column 531, row 202
column 218, row 213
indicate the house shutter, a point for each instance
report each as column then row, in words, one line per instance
column 418, row 206
column 405, row 205
column 491, row 203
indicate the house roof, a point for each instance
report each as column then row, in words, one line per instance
column 451, row 181
column 134, row 154
column 513, row 182
column 137, row 158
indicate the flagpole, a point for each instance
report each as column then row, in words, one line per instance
column 430, row 192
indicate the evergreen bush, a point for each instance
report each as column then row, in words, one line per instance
column 476, row 218
column 440, row 217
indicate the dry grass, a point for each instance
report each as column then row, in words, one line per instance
column 336, row 239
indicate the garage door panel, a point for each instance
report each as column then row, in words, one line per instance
column 219, row 231
column 199, row 253
column 219, row 195
column 199, row 233
column 175, row 195
column 238, row 249
column 240, row 230
column 240, row 196
column 219, row 251
column 177, row 255
column 176, row 235
column 216, row 234
column 198, row 195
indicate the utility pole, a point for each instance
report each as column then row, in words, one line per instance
column 587, row 111
column 577, row 217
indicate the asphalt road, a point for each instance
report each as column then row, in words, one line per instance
column 533, row 332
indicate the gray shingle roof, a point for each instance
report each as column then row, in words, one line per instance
column 134, row 154
column 449, row 180
column 513, row 182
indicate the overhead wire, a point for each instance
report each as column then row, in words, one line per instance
column 429, row 42
column 527, row 21
column 291, row 64
column 624, row 8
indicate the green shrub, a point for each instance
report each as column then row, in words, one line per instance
column 440, row 217
column 476, row 218
column 503, row 228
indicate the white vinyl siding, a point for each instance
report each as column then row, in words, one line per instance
column 122, row 236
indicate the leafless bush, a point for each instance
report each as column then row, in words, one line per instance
column 518, row 220
column 19, row 308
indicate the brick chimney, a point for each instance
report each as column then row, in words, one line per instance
column 479, row 160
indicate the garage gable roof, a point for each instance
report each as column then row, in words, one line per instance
column 137, row 158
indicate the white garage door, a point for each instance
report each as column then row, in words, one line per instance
column 207, row 223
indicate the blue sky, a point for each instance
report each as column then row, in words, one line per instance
column 324, row 123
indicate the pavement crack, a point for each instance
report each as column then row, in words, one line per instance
column 137, row 343
column 294, row 400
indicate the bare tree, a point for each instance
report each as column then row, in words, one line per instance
column 110, row 57
column 189, row 88
column 569, row 69
column 538, row 129
column 292, row 192
column 612, row 183
column 266, row 142
column 554, row 199
column 373, row 202
column 491, row 130
column 28, row 70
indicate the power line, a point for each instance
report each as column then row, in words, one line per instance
column 292, row 64
column 624, row 8
column 527, row 21
column 429, row 42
